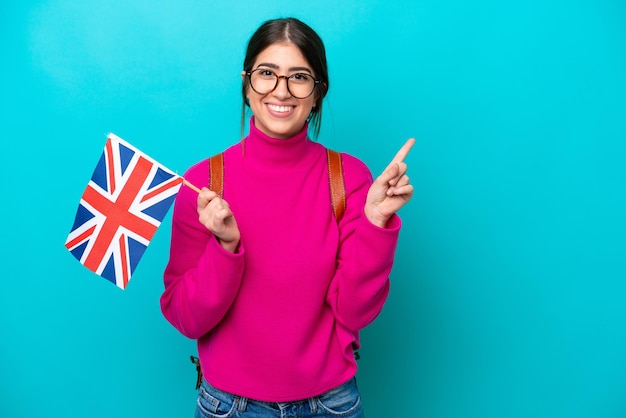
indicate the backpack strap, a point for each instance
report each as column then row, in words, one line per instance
column 337, row 187
column 216, row 172
column 335, row 176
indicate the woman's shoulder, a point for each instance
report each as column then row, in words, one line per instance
column 200, row 170
column 352, row 165
column 356, row 174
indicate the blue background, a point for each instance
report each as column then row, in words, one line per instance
column 508, row 293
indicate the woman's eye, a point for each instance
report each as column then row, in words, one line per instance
column 266, row 73
column 300, row 77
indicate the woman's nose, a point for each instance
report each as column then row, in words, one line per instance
column 282, row 90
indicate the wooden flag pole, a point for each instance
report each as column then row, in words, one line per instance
column 191, row 186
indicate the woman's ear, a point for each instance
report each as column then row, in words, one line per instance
column 320, row 93
column 243, row 79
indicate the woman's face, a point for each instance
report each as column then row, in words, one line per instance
column 278, row 114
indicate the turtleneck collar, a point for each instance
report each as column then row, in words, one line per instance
column 262, row 149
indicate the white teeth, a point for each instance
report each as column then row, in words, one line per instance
column 280, row 109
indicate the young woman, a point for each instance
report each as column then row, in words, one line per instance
column 273, row 286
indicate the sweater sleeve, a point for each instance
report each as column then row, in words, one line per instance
column 201, row 278
column 361, row 285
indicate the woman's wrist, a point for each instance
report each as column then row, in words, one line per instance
column 230, row 246
column 375, row 217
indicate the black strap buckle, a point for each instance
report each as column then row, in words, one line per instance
column 196, row 361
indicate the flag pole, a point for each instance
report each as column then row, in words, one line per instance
column 191, row 186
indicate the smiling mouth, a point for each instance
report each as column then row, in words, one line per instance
column 280, row 109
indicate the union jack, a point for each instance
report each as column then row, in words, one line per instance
column 124, row 203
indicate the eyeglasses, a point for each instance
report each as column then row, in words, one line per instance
column 265, row 81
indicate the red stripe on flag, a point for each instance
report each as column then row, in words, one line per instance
column 124, row 263
column 78, row 239
column 163, row 188
column 109, row 154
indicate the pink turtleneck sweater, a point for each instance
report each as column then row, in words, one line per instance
column 278, row 320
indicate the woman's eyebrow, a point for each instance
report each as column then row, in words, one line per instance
column 300, row 69
column 267, row 64
column 292, row 69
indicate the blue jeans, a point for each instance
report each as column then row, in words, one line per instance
column 343, row 401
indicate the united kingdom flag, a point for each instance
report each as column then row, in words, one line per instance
column 125, row 201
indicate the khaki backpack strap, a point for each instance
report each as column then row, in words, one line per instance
column 216, row 173
column 337, row 187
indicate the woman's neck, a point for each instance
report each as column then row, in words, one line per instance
column 259, row 148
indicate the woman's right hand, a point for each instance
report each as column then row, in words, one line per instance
column 215, row 214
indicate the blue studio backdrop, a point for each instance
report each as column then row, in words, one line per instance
column 509, row 291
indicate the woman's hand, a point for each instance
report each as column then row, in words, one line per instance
column 215, row 214
column 391, row 190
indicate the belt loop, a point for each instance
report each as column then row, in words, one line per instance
column 313, row 404
column 242, row 404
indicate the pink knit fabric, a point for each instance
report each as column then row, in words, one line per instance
column 278, row 320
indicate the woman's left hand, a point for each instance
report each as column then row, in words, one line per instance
column 391, row 190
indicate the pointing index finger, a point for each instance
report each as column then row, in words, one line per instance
column 404, row 151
